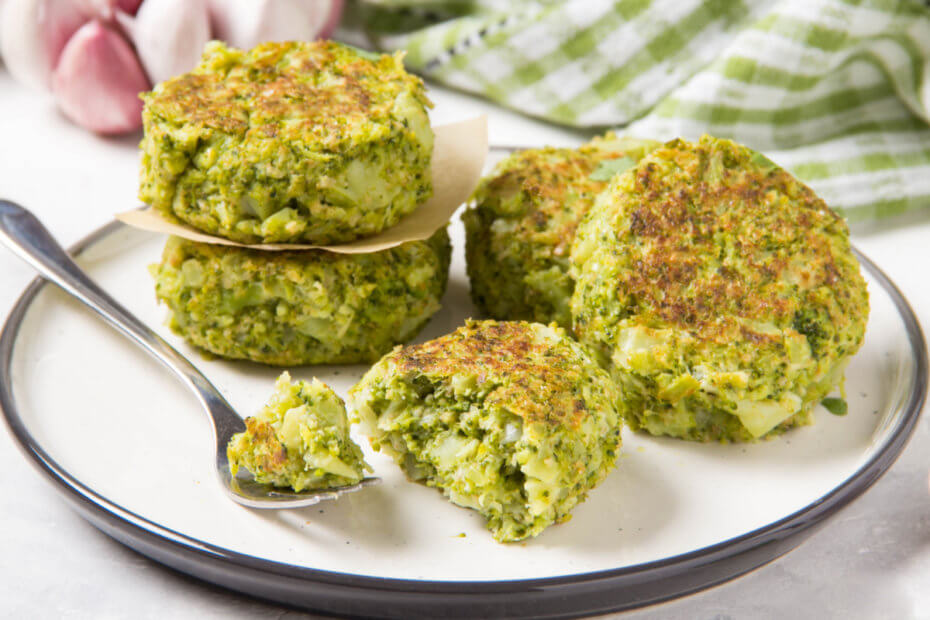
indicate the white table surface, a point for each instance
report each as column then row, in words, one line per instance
column 870, row 561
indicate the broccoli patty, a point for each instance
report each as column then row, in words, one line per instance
column 512, row 419
column 520, row 229
column 288, row 142
column 301, row 307
column 300, row 439
column 721, row 292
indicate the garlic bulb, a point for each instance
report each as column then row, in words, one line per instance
column 98, row 80
column 246, row 23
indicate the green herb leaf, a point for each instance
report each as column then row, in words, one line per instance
column 610, row 167
column 366, row 54
column 836, row 406
column 762, row 161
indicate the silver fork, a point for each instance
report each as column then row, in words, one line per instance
column 25, row 235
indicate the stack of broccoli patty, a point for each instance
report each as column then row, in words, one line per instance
column 288, row 142
column 293, row 142
column 512, row 419
column 721, row 293
column 301, row 307
column 519, row 231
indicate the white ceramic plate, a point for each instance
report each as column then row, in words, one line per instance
column 128, row 446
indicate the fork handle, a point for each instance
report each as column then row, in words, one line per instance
column 25, row 235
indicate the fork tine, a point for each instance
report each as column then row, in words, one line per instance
column 256, row 495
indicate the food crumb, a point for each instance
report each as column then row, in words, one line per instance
column 299, row 439
column 460, row 535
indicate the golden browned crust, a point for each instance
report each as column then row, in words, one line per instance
column 519, row 233
column 689, row 222
column 273, row 456
column 557, row 191
column 537, row 376
column 283, row 90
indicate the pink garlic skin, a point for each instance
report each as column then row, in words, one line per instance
column 130, row 7
column 98, row 80
column 246, row 23
column 169, row 35
column 107, row 9
column 335, row 14
column 33, row 34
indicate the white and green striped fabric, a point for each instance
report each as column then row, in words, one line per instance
column 836, row 91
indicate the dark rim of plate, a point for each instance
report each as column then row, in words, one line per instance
column 348, row 594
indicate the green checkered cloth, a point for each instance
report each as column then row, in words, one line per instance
column 836, row 91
